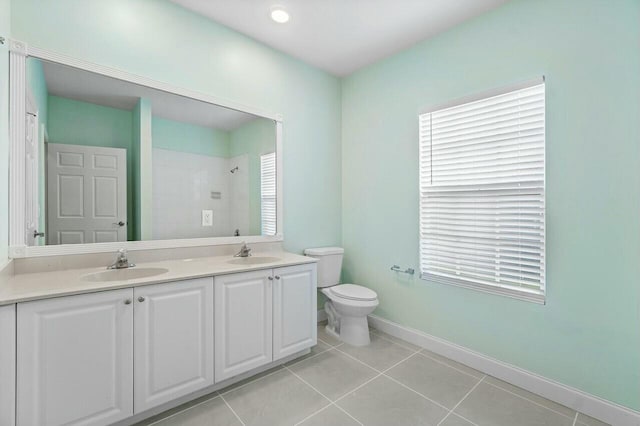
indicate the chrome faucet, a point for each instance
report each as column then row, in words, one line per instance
column 244, row 251
column 122, row 261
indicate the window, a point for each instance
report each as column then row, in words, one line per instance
column 482, row 203
column 268, row 193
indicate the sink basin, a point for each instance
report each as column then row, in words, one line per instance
column 253, row 260
column 124, row 274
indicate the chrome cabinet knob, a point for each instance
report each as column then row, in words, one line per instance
column 141, row 299
column 127, row 302
column 270, row 278
column 277, row 277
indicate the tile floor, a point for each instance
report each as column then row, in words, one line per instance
column 390, row 382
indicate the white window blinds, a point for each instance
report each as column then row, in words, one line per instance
column 482, row 212
column 268, row 193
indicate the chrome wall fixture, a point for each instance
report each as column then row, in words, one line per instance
column 397, row 268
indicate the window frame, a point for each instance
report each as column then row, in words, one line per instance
column 508, row 291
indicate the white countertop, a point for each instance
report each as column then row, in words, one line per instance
column 43, row 285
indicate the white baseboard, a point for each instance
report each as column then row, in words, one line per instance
column 322, row 315
column 578, row 400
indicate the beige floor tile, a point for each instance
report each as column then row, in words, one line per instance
column 531, row 396
column 455, row 420
column 280, row 399
column 583, row 419
column 489, row 405
column 317, row 349
column 178, row 409
column 326, row 337
column 470, row 371
column 394, row 339
column 333, row 373
column 433, row 379
column 383, row 402
column 211, row 412
column 380, row 354
column 330, row 416
column 250, row 379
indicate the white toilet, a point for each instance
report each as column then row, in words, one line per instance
column 348, row 304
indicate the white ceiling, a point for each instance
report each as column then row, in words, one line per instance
column 341, row 36
column 85, row 86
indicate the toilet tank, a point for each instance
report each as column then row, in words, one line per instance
column 329, row 264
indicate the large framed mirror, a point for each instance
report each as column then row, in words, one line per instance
column 102, row 159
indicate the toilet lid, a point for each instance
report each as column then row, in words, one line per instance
column 354, row 292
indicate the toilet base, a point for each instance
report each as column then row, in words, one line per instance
column 331, row 332
column 347, row 319
column 354, row 331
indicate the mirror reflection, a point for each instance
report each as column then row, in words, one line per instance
column 108, row 160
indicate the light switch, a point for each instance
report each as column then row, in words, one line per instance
column 207, row 217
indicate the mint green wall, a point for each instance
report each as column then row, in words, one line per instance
column 185, row 137
column 82, row 123
column 5, row 31
column 254, row 138
column 588, row 334
column 38, row 88
column 156, row 39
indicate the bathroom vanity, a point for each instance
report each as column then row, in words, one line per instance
column 95, row 350
column 197, row 175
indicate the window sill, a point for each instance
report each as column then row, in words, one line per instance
column 525, row 295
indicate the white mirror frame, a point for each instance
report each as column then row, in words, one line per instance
column 18, row 53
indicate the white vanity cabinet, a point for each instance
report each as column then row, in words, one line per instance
column 263, row 316
column 294, row 309
column 173, row 331
column 99, row 358
column 7, row 365
column 243, row 322
column 77, row 358
column 74, row 359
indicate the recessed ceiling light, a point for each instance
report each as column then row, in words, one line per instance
column 279, row 15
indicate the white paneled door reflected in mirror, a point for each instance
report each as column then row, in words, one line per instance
column 109, row 160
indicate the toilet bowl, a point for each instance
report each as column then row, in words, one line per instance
column 348, row 305
column 347, row 310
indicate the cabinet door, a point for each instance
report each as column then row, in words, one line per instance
column 294, row 309
column 75, row 359
column 8, row 365
column 173, row 330
column 243, row 322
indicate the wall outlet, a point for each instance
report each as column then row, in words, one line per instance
column 207, row 217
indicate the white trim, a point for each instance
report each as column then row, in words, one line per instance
column 17, row 128
column 279, row 179
column 322, row 315
column 47, row 55
column 576, row 399
column 17, row 244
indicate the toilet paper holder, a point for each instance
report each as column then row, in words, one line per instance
column 397, row 268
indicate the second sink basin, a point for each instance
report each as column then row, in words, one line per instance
column 124, row 274
column 253, row 260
